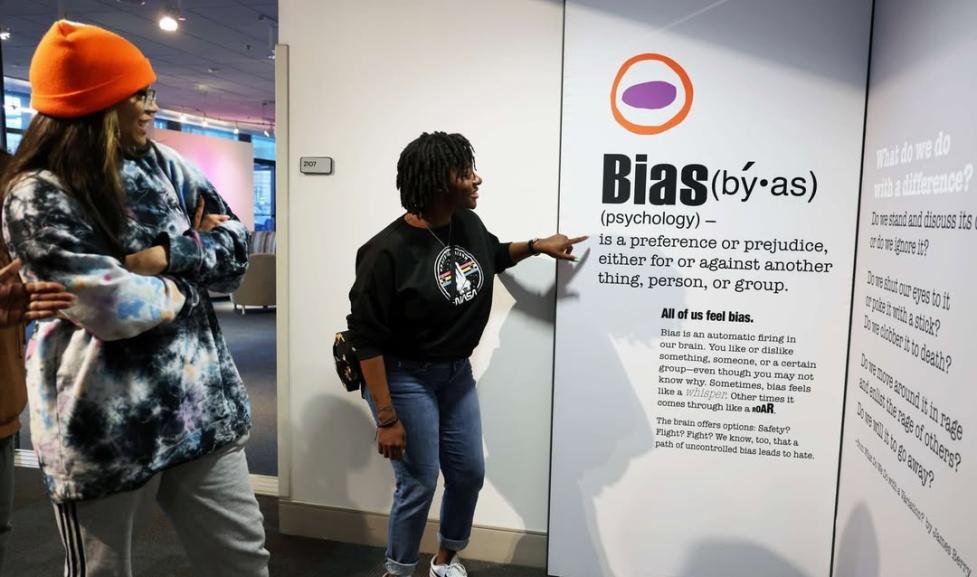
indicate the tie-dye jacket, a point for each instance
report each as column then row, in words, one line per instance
column 138, row 377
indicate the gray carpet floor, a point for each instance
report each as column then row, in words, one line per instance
column 35, row 550
column 251, row 338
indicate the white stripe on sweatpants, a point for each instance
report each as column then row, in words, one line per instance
column 74, row 562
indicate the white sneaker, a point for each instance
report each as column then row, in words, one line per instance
column 453, row 568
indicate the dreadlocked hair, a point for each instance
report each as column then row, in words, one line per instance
column 427, row 166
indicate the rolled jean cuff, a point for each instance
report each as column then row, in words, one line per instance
column 400, row 569
column 451, row 544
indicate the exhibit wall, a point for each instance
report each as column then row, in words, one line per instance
column 364, row 79
column 908, row 462
column 713, row 150
column 694, row 360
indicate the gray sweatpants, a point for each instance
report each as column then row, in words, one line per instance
column 210, row 503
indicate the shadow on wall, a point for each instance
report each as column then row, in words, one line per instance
column 737, row 558
column 512, row 378
column 610, row 444
column 858, row 546
column 325, row 420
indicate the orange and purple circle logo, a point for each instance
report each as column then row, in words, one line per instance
column 657, row 94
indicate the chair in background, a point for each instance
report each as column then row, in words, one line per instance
column 263, row 241
column 258, row 285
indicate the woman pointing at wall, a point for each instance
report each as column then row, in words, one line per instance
column 421, row 299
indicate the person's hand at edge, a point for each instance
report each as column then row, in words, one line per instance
column 33, row 301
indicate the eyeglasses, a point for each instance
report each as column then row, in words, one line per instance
column 148, row 96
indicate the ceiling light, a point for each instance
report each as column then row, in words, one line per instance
column 237, row 130
column 267, row 134
column 183, row 118
column 5, row 34
column 205, row 124
column 168, row 23
column 171, row 16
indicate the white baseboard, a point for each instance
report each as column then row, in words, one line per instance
column 265, row 485
column 491, row 544
column 262, row 484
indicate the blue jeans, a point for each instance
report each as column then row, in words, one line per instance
column 438, row 406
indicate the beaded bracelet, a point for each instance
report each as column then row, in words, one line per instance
column 388, row 423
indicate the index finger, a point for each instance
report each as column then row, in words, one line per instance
column 44, row 287
column 578, row 239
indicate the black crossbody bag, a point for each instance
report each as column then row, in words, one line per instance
column 347, row 363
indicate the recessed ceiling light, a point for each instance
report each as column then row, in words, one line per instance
column 171, row 16
column 5, row 34
column 205, row 124
column 237, row 130
column 168, row 23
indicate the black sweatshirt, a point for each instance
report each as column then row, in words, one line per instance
column 409, row 301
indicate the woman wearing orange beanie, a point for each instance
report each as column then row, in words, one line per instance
column 133, row 394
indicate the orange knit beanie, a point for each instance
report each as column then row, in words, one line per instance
column 79, row 69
